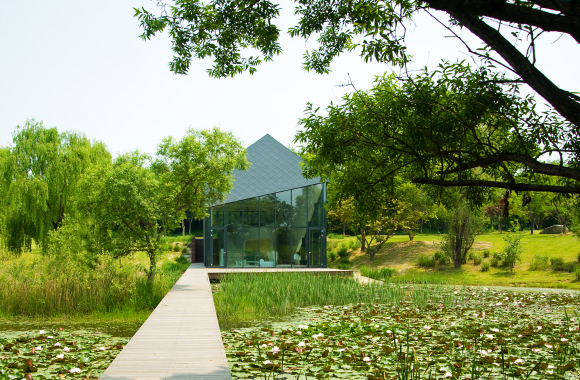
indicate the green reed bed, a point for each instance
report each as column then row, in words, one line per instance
column 40, row 286
column 246, row 298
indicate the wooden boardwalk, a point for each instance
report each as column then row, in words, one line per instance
column 180, row 340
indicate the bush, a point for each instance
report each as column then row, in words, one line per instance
column 513, row 247
column 477, row 258
column 577, row 274
column 540, row 263
column 333, row 235
column 184, row 250
column 426, row 261
column 344, row 260
column 486, row 253
column 343, row 251
column 496, row 259
column 344, row 266
column 181, row 260
column 332, row 256
column 441, row 258
column 354, row 245
column 485, row 267
column 559, row 265
column 176, row 248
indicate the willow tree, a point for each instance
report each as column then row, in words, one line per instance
column 40, row 176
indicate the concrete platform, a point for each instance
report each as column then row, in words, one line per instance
column 180, row 340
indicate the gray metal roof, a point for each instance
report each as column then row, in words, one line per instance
column 274, row 168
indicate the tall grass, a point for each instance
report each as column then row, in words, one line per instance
column 181, row 238
column 247, row 298
column 41, row 286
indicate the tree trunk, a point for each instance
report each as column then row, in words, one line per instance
column 411, row 235
column 190, row 223
column 490, row 222
column 421, row 226
column 183, row 227
column 152, row 267
column 343, row 229
column 362, row 239
column 499, row 224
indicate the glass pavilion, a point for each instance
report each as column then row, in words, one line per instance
column 273, row 216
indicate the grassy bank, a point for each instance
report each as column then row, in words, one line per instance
column 38, row 286
column 401, row 254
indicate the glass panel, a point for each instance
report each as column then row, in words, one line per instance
column 252, row 212
column 299, row 207
column 218, row 216
column 267, row 210
column 284, row 247
column 218, row 247
column 235, row 238
column 268, row 255
column 299, row 256
column 284, row 209
column 315, row 206
column 315, row 248
column 251, row 247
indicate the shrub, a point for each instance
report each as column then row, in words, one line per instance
column 344, row 260
column 333, row 235
column 477, row 259
column 354, row 245
column 181, row 260
column 441, row 258
column 496, row 259
column 577, row 274
column 559, row 265
column 486, row 253
column 540, row 263
column 332, row 256
column 344, row 266
column 176, row 248
column 485, row 267
column 513, row 247
column 184, row 250
column 343, row 251
column 426, row 261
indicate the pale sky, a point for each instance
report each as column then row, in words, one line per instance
column 79, row 65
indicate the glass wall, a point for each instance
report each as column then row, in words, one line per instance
column 276, row 230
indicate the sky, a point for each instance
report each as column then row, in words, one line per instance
column 79, row 65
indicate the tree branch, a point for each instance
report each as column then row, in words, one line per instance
column 558, row 98
column 499, row 185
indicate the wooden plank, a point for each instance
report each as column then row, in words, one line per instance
column 180, row 340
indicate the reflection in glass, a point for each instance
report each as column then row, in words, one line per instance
column 315, row 248
column 252, row 212
column 268, row 210
column 315, row 206
column 235, row 235
column 268, row 255
column 218, row 247
column 284, row 247
column 218, row 216
column 284, row 209
column 299, row 207
column 299, row 253
column 251, row 247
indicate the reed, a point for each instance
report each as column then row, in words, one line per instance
column 244, row 298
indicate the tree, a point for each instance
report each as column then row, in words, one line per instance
column 41, row 172
column 341, row 211
column 462, row 229
column 228, row 31
column 135, row 200
column 415, row 208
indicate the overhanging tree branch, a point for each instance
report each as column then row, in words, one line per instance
column 500, row 185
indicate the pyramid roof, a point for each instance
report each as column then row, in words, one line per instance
column 274, row 168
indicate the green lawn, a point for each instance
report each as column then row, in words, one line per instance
column 402, row 254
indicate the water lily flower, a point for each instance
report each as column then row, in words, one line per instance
column 270, row 344
column 519, row 361
column 237, row 331
column 495, row 330
column 60, row 356
column 102, row 348
column 75, row 370
column 298, row 332
column 267, row 362
column 345, row 307
column 301, row 344
column 341, row 350
column 303, row 327
column 38, row 348
column 50, row 337
column 427, row 328
column 550, row 366
column 448, row 374
column 275, row 350
column 563, row 340
column 535, row 350
column 41, row 332
column 489, row 336
column 264, row 345
column 483, row 353
column 548, row 345
column 539, row 327
column 66, row 349
column 366, row 359
column 498, row 304
column 57, row 344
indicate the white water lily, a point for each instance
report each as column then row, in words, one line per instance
column 102, row 348
column 57, row 344
column 60, row 356
column 50, row 337
column 298, row 333
column 42, row 332
column 495, row 330
column 301, row 344
column 366, row 359
column 264, row 345
column 38, row 348
column 66, row 349
column 448, row 374
column 427, row 328
column 267, row 362
column 275, row 350
column 563, row 340
column 519, row 361
column 75, row 370
column 489, row 336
